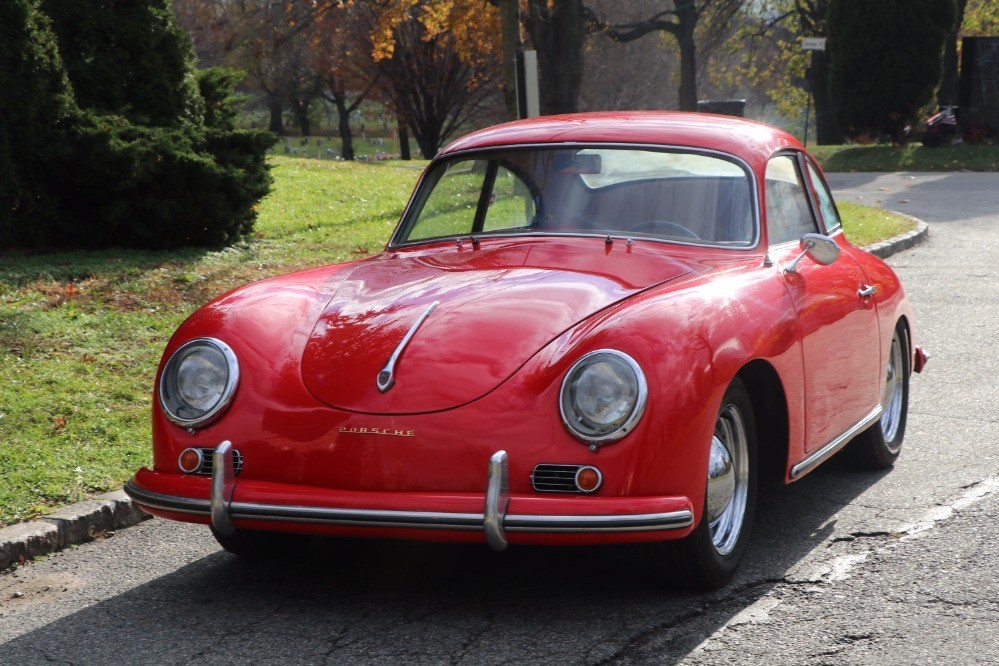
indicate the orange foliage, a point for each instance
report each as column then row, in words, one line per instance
column 474, row 26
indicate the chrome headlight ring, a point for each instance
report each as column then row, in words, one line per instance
column 198, row 382
column 603, row 396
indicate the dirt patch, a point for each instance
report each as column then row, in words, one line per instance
column 17, row 591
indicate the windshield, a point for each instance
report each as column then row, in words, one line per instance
column 674, row 195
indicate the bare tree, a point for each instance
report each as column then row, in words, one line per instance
column 267, row 40
column 680, row 19
column 640, row 74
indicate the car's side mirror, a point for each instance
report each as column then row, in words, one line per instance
column 820, row 248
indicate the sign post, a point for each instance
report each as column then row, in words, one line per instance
column 810, row 44
column 528, row 97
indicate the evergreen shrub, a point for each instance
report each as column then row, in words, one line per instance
column 144, row 155
column 154, row 187
column 34, row 106
column 886, row 58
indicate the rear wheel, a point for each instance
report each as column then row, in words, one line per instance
column 878, row 446
column 258, row 545
column 710, row 555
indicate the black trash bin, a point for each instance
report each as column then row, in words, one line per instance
column 724, row 107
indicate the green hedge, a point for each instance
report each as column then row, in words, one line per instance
column 127, row 185
column 146, row 157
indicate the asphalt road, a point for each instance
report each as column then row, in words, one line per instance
column 900, row 567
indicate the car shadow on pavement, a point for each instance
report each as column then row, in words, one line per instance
column 356, row 601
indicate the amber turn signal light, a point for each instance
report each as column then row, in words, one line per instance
column 588, row 479
column 190, row 460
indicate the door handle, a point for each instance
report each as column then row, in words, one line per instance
column 867, row 290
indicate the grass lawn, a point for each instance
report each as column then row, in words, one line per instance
column 81, row 333
column 913, row 157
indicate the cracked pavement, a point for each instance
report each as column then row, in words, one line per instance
column 845, row 567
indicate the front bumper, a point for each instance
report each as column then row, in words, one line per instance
column 228, row 508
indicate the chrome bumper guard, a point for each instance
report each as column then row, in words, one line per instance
column 223, row 483
column 494, row 520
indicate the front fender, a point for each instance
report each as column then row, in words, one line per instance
column 691, row 339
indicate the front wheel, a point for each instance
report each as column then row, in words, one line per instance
column 878, row 446
column 710, row 555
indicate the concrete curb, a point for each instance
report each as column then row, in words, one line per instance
column 85, row 521
column 904, row 242
column 68, row 526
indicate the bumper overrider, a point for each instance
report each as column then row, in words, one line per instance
column 495, row 520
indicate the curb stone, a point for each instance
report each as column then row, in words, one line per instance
column 68, row 526
column 84, row 521
column 889, row 247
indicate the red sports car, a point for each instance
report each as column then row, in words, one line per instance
column 594, row 328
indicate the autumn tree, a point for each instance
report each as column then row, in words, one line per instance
column 211, row 25
column 981, row 18
column 769, row 44
column 341, row 44
column 905, row 40
column 438, row 62
column 268, row 40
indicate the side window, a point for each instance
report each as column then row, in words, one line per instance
column 829, row 213
column 511, row 205
column 450, row 208
column 789, row 216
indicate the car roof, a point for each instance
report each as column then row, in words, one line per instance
column 749, row 140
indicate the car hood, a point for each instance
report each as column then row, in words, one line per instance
column 498, row 303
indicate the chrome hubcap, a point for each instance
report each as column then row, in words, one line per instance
column 891, row 417
column 728, row 480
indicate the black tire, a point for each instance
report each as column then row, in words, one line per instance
column 878, row 446
column 258, row 545
column 710, row 555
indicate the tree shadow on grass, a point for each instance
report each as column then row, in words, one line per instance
column 18, row 268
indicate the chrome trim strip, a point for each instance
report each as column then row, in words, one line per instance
column 163, row 502
column 639, row 522
column 497, row 501
column 223, row 483
column 364, row 517
column 812, row 461
column 386, row 377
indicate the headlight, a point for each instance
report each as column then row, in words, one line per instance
column 603, row 396
column 198, row 382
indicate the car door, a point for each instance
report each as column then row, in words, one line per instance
column 837, row 325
